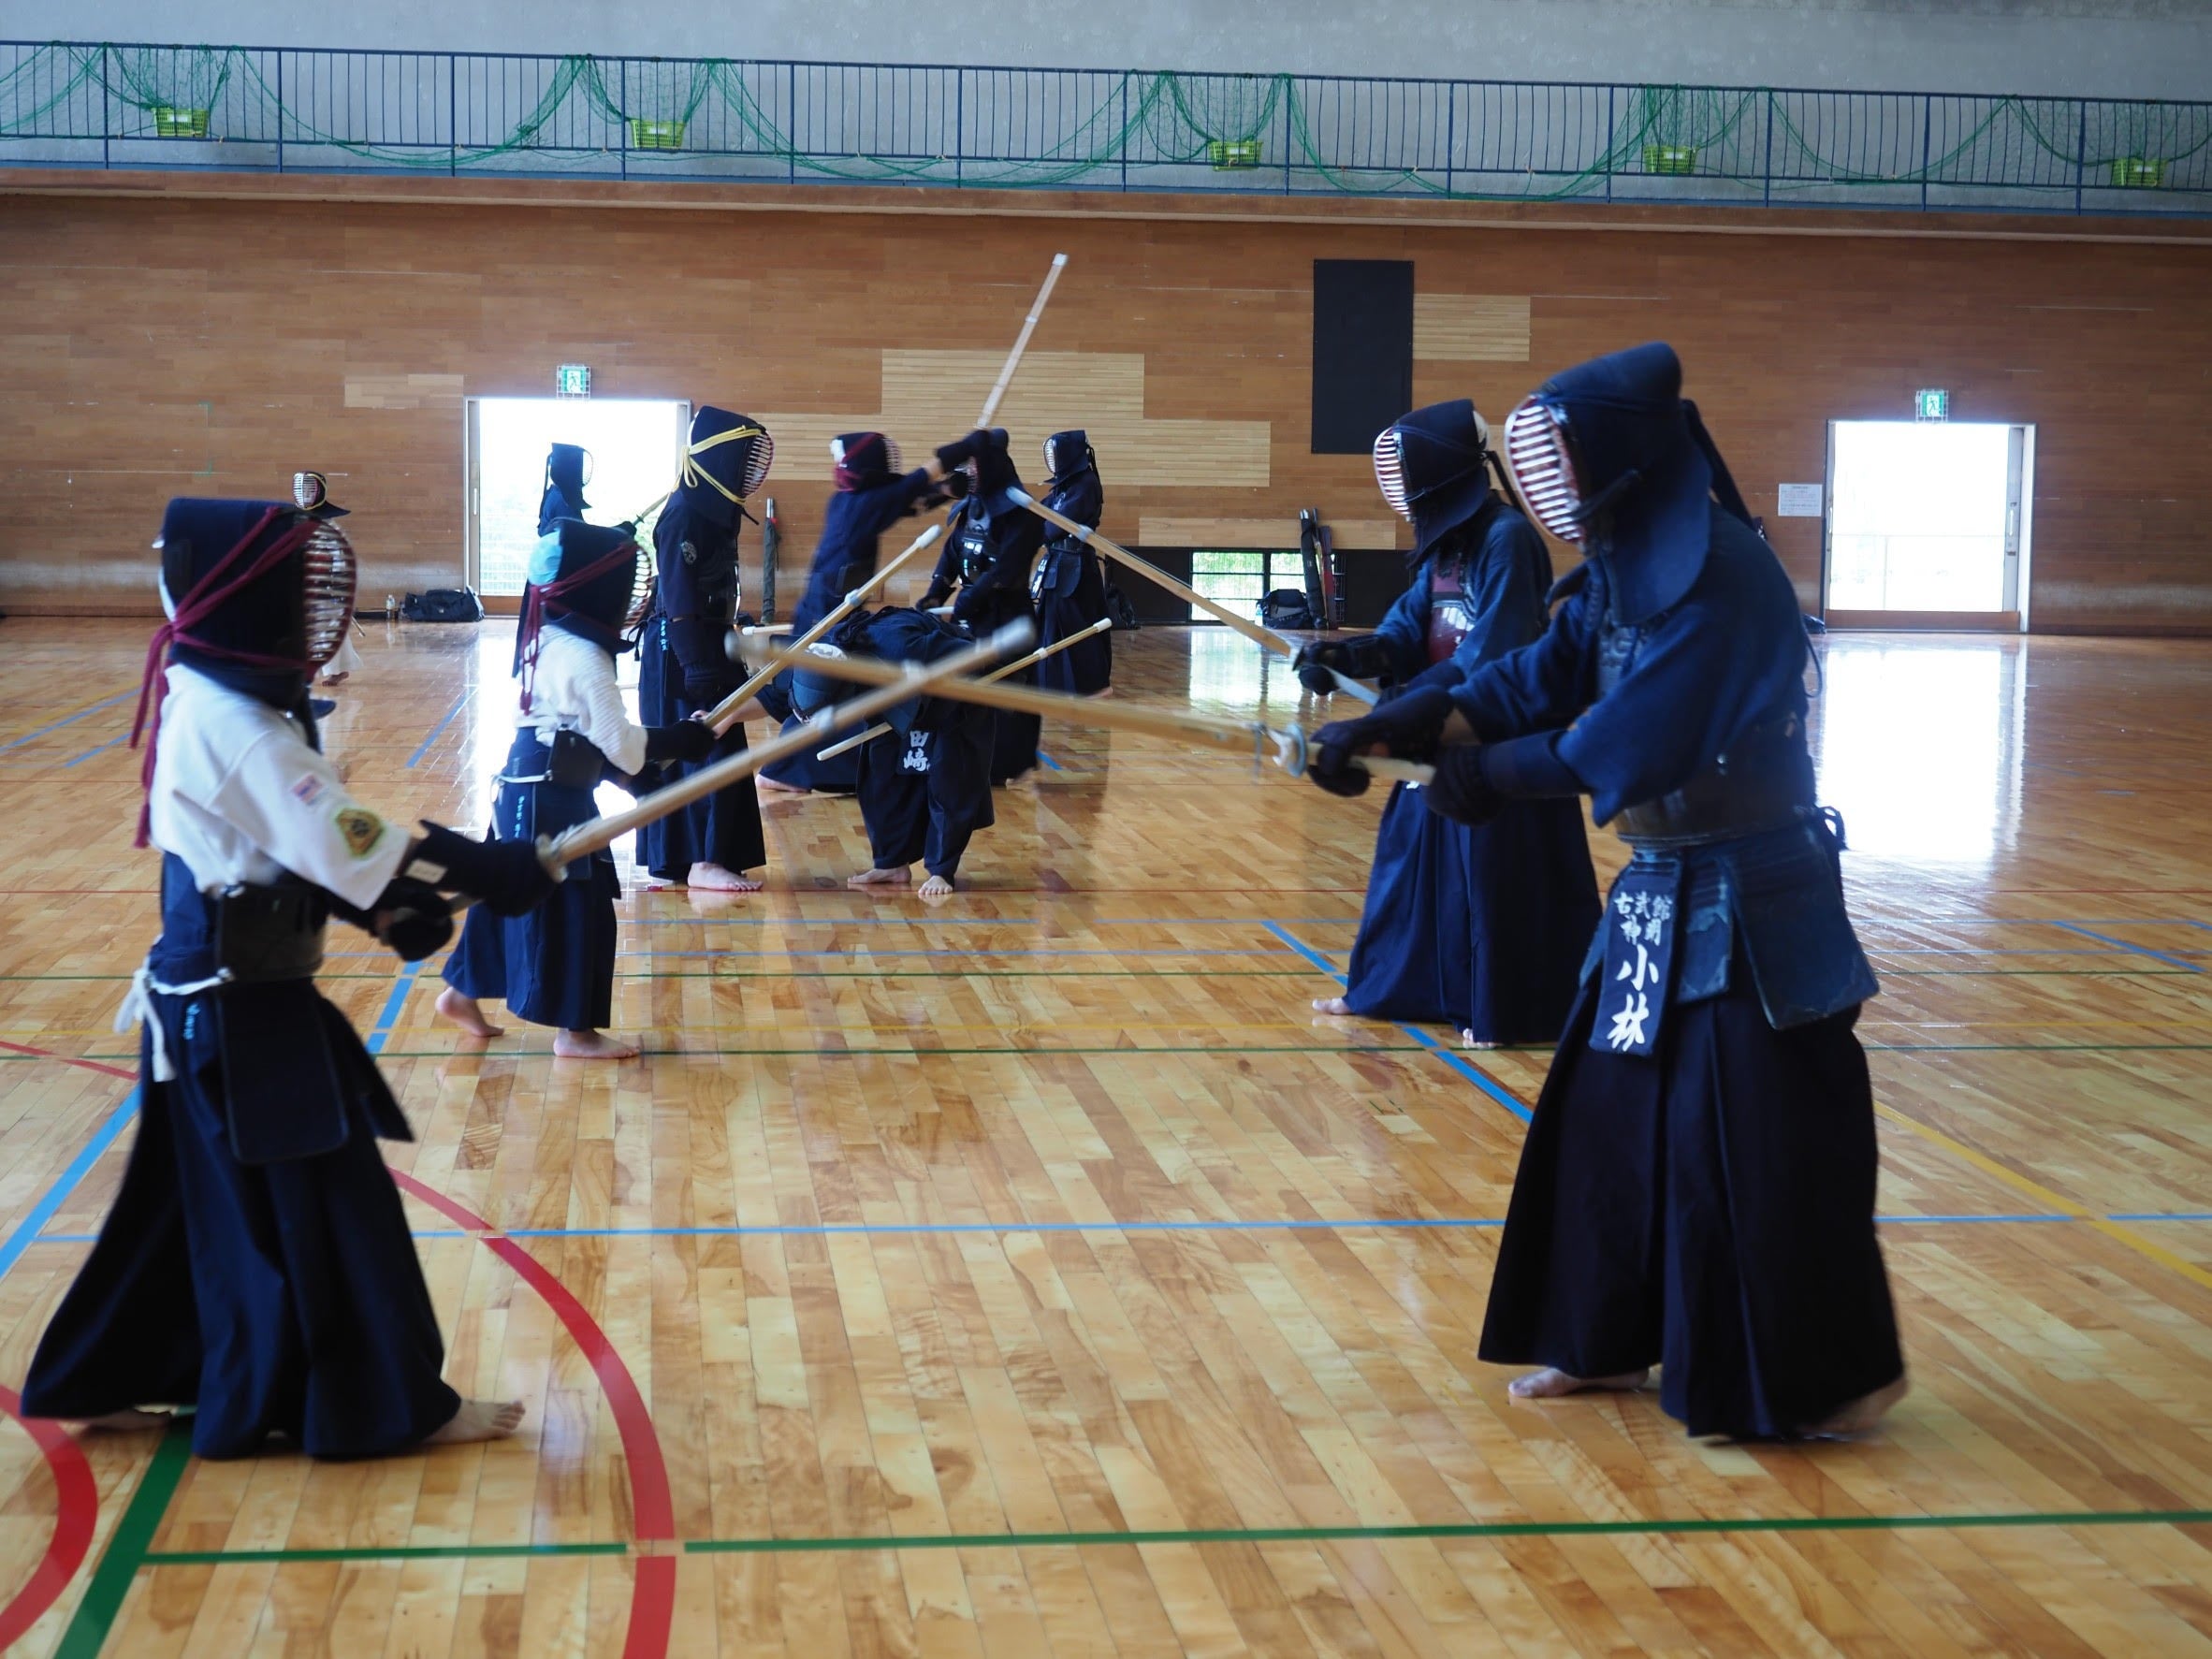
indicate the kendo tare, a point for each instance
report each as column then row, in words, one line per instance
column 994, row 540
column 1696, row 1190
column 554, row 966
column 684, row 665
column 1069, row 588
column 924, row 786
column 257, row 1265
column 1483, row 926
column 871, row 495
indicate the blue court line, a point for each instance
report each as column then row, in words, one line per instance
column 392, row 1005
column 26, row 1230
column 65, row 720
column 438, row 731
column 1480, row 1079
column 2133, row 950
column 1050, row 762
column 97, row 748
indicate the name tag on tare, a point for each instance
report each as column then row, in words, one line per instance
column 1640, row 917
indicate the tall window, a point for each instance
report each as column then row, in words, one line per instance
column 1239, row 579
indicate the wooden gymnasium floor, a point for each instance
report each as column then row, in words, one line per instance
column 1034, row 1274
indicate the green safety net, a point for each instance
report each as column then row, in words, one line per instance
column 1472, row 140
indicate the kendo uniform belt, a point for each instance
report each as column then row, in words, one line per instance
column 571, row 760
column 253, row 935
column 1764, row 781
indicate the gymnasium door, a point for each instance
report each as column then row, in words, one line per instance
column 1927, row 525
column 635, row 444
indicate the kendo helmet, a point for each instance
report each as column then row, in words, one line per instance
column 260, row 583
column 860, row 460
column 1604, row 453
column 1068, row 453
column 1432, row 465
column 726, row 459
column 568, row 469
column 310, row 494
column 582, row 580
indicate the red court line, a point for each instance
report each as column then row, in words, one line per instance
column 653, row 1604
column 77, row 1507
column 129, row 1073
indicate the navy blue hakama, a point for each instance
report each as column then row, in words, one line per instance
column 1482, row 928
column 280, row 1298
column 724, row 828
column 1708, row 1210
column 554, row 965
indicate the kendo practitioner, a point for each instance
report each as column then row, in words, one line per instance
column 256, row 1264
column 310, row 494
column 1485, row 925
column 565, row 467
column 926, row 784
column 685, row 668
column 1696, row 1190
column 871, row 494
column 554, row 966
column 993, row 541
column 1069, row 589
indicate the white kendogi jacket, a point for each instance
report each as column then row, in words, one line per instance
column 240, row 795
column 573, row 689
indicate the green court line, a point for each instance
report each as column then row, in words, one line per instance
column 128, row 1547
column 1280, row 1534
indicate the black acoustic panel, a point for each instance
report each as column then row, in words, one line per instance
column 1151, row 602
column 1372, row 582
column 1362, row 351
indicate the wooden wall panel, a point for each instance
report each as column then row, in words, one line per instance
column 159, row 346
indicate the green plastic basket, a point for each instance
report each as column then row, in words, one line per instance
column 656, row 135
column 2135, row 172
column 1675, row 161
column 171, row 122
column 1229, row 155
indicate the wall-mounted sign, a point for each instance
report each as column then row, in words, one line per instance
column 572, row 379
column 1798, row 501
column 1931, row 402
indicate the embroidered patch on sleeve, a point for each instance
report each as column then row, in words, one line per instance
column 307, row 791
column 361, row 829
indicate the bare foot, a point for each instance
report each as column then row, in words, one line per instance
column 591, row 1045
column 1106, row 691
column 1467, row 1040
column 479, row 1419
column 935, row 887
column 466, row 1013
column 1864, row 1412
column 1554, row 1384
column 339, row 679
column 897, row 875
column 1331, row 1005
column 712, row 878
column 127, row 1419
column 767, row 785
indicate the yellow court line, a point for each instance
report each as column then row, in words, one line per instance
column 2042, row 1194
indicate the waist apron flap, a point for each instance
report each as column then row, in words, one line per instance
column 1785, row 896
column 525, row 811
column 1635, row 953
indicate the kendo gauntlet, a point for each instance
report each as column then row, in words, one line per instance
column 1405, row 727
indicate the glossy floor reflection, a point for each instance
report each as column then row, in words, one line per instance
column 1034, row 1273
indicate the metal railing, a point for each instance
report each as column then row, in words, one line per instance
column 285, row 109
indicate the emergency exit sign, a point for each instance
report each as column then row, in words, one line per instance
column 574, row 380
column 1931, row 402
